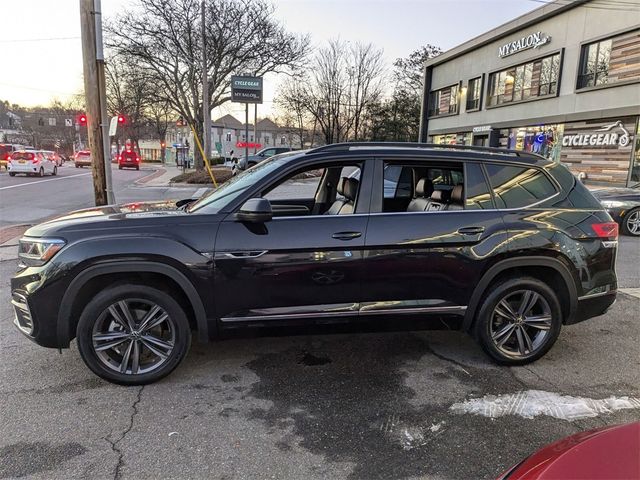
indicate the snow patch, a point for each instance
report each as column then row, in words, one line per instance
column 531, row 403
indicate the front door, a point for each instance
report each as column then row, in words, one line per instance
column 428, row 258
column 301, row 264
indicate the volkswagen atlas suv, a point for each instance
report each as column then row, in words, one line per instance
column 508, row 245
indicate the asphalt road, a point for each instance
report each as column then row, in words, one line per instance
column 328, row 404
column 32, row 199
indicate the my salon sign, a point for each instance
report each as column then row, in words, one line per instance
column 533, row 40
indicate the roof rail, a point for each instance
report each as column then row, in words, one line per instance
column 346, row 146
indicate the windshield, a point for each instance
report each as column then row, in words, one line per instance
column 215, row 200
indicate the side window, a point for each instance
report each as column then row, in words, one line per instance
column 517, row 187
column 397, row 181
column 302, row 185
column 477, row 190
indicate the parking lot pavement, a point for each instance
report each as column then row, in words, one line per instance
column 329, row 404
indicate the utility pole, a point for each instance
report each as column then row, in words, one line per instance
column 206, row 113
column 94, row 88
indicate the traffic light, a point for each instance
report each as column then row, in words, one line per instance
column 82, row 119
column 122, row 120
column 180, row 122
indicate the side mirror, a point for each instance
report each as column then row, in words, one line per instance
column 255, row 210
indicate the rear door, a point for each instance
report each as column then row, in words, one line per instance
column 427, row 262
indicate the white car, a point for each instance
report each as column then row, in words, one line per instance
column 31, row 162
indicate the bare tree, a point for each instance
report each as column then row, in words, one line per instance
column 344, row 82
column 163, row 36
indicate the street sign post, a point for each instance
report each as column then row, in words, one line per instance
column 113, row 126
column 246, row 89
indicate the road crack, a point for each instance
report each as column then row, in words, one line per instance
column 115, row 444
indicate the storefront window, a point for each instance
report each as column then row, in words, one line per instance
column 473, row 94
column 545, row 140
column 452, row 139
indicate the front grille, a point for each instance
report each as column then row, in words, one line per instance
column 23, row 319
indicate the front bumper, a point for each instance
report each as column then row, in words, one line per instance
column 36, row 304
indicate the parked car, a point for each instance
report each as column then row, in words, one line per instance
column 53, row 156
column 6, row 149
column 31, row 162
column 623, row 204
column 603, row 454
column 83, row 158
column 506, row 245
column 128, row 159
column 247, row 162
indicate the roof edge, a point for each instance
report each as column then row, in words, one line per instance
column 548, row 10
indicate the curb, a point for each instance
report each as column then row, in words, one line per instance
column 12, row 231
column 190, row 185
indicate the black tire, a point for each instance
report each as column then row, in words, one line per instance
column 488, row 319
column 630, row 224
column 12, row 174
column 41, row 172
column 77, row 166
column 55, row 171
column 138, row 168
column 251, row 164
column 97, row 313
column 119, row 167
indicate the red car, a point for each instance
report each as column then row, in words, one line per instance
column 603, row 454
column 129, row 159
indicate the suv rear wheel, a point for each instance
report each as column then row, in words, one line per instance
column 519, row 321
column 133, row 334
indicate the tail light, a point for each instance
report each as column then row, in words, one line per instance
column 8, row 158
column 138, row 159
column 608, row 230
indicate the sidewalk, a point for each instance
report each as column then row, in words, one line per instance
column 162, row 177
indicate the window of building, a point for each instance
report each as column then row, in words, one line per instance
column 474, row 90
column 266, row 140
column 283, row 140
column 443, row 101
column 228, row 136
column 594, row 64
column 517, row 187
column 537, row 78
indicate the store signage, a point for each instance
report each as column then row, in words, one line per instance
column 616, row 135
column 482, row 129
column 533, row 40
column 246, row 89
column 248, row 145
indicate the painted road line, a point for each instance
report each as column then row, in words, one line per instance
column 42, row 181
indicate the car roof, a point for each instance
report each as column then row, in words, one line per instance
column 429, row 150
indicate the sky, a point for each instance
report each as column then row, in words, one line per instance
column 397, row 26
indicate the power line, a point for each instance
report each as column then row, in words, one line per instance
column 22, row 40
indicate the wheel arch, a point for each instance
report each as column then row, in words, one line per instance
column 69, row 302
column 530, row 266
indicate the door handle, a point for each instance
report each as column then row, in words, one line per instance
column 470, row 230
column 346, row 235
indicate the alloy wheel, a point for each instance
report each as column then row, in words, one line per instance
column 633, row 223
column 520, row 323
column 133, row 336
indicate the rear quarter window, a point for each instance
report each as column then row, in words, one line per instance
column 477, row 196
column 517, row 187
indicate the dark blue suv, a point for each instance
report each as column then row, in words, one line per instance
column 506, row 245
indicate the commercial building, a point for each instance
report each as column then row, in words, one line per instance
column 562, row 81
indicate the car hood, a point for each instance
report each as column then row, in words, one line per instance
column 102, row 216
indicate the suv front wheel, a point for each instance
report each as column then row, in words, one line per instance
column 519, row 321
column 133, row 334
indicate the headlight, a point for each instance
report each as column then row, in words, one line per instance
column 612, row 203
column 34, row 252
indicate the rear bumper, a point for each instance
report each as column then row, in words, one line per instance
column 24, row 167
column 593, row 306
